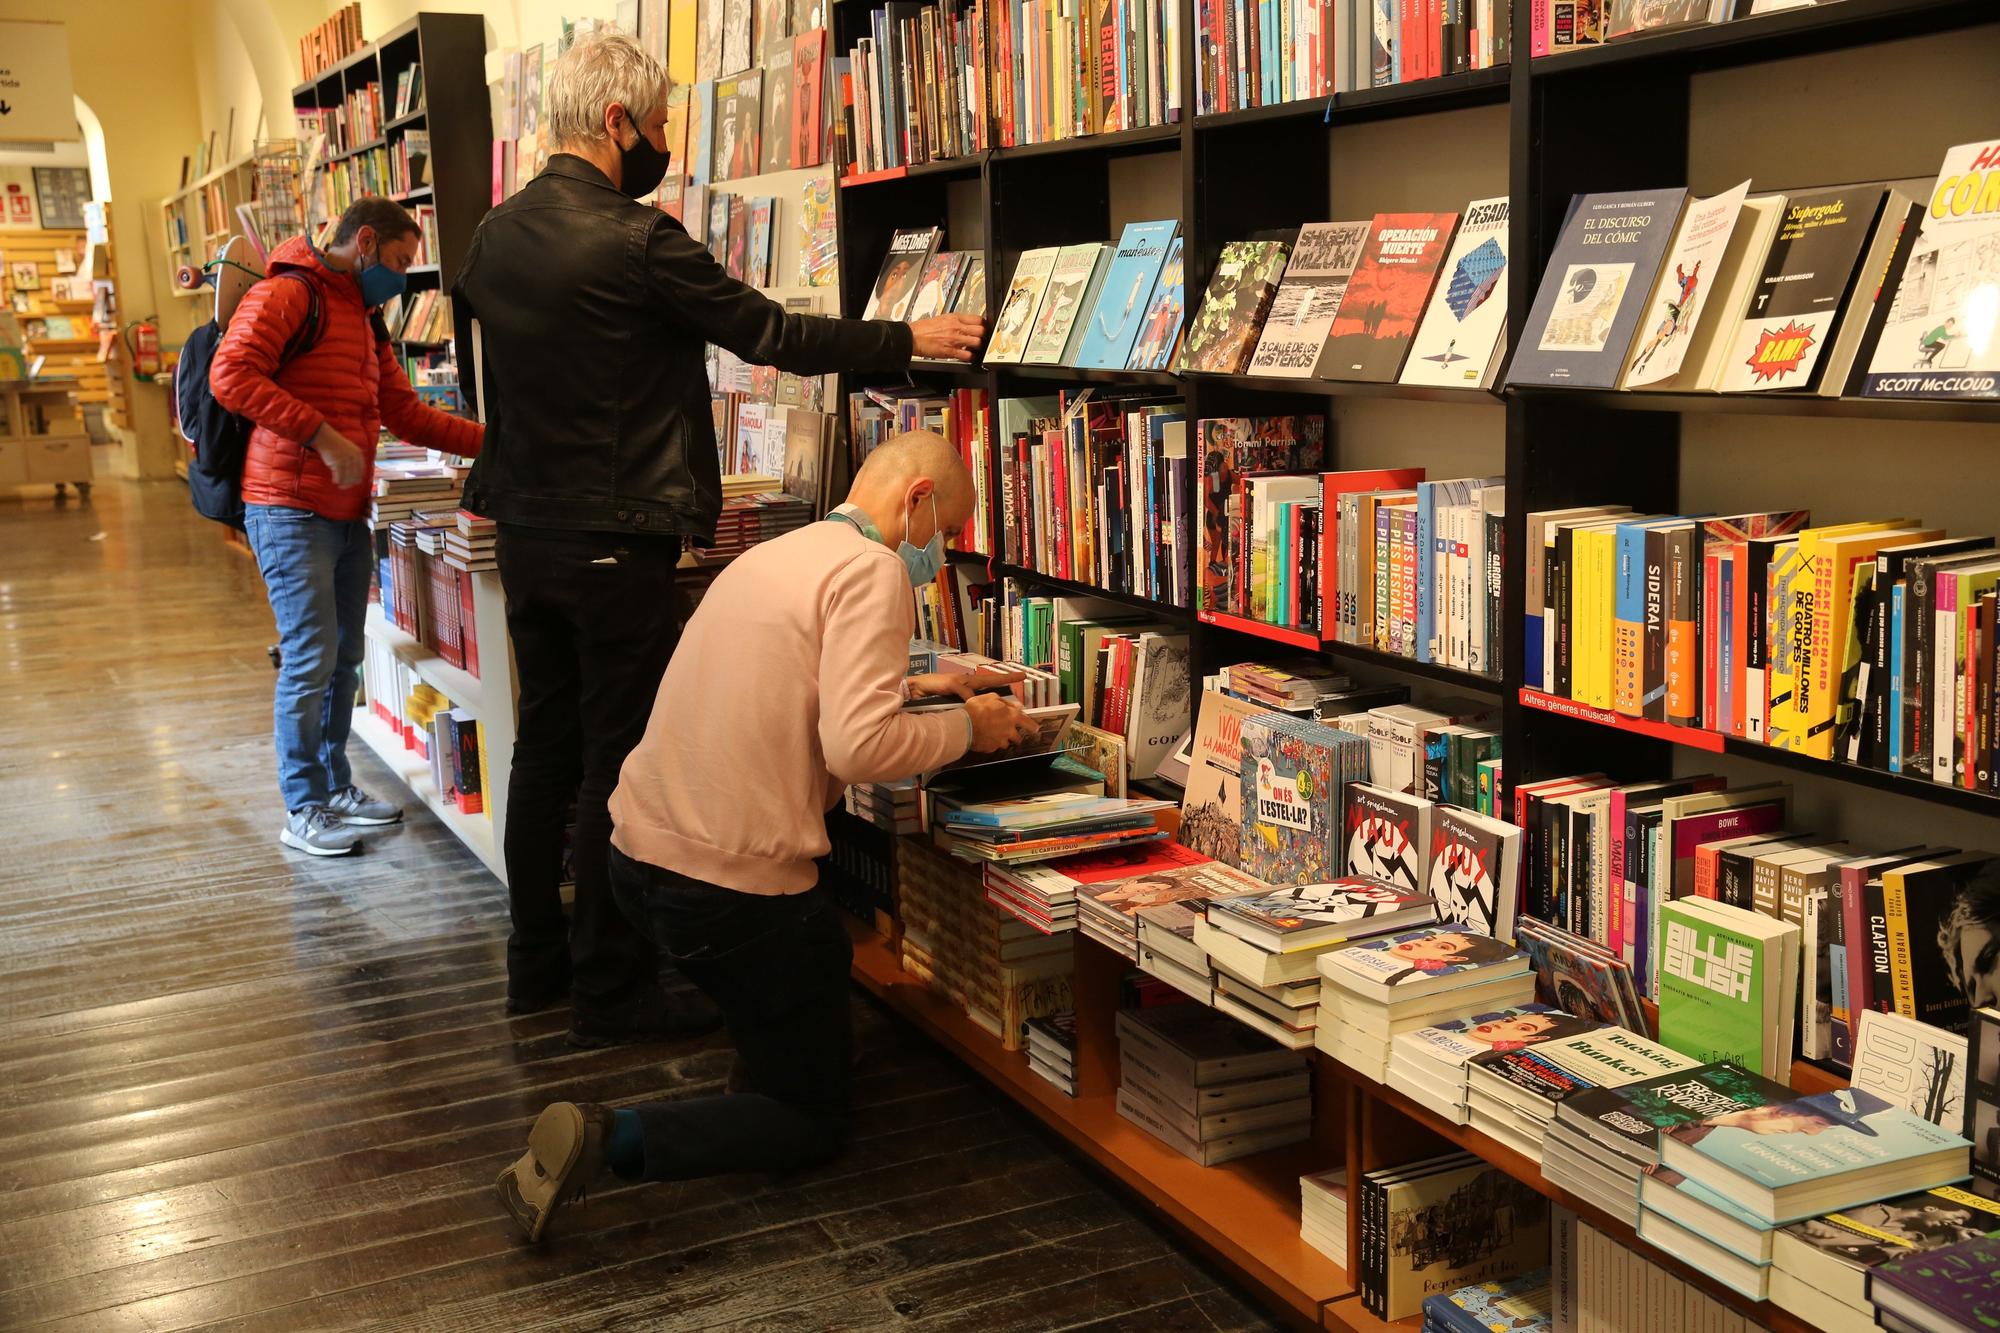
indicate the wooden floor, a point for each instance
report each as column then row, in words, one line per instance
column 243, row 1089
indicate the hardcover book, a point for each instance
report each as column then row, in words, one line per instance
column 1411, row 963
column 971, row 298
column 1071, row 281
column 1378, row 314
column 1959, row 1282
column 1981, row 1123
column 1017, row 308
column 1223, row 334
column 1430, row 1243
column 780, row 122
column 1475, row 870
column 1520, row 1305
column 1120, row 311
column 1594, row 291
column 937, row 285
column 1292, row 773
column 1212, row 799
column 1465, row 325
column 1629, row 1118
column 1295, row 333
column 1942, row 336
column 1307, row 914
column 1938, row 952
column 1457, row 1040
column 1159, row 334
column 1388, row 835
column 738, row 125
column 1684, row 313
column 910, row 252
column 1808, row 273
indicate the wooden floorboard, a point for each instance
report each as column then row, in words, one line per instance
column 240, row 1089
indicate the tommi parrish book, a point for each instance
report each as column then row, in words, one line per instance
column 1811, row 1155
column 1295, row 332
column 1942, row 337
column 1462, row 331
column 1475, row 870
column 1114, row 323
column 1595, row 289
column 1628, row 1119
column 1223, row 334
column 1385, row 298
column 1388, row 835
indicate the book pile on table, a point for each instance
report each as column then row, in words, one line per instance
column 1165, row 931
column 1046, row 894
column 1727, row 1182
column 1264, row 948
column 1428, row 1065
column 401, row 487
column 1521, row 1305
column 1290, row 686
column 469, row 544
column 1821, row 1267
column 1043, row 825
column 1155, row 873
column 1052, row 1049
column 893, row 806
column 1377, row 988
column 1323, row 1213
column 1435, row 1225
column 758, row 517
column 1512, row 1094
column 1206, row 1087
column 1951, row 1290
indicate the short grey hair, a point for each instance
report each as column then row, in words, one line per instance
column 601, row 69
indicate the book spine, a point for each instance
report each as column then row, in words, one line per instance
column 1944, row 674
column 1683, row 663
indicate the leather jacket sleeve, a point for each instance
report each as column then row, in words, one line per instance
column 698, row 293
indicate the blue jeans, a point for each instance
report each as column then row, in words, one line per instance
column 316, row 571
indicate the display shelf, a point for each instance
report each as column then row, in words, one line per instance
column 1421, row 393
column 1479, row 87
column 1073, row 588
column 421, row 192
column 857, row 179
column 357, row 150
column 1695, row 738
column 968, row 165
column 1164, row 379
column 414, row 772
column 960, row 370
column 1244, row 1213
column 1147, row 138
column 1290, row 635
column 1770, row 404
column 1765, row 37
column 455, row 683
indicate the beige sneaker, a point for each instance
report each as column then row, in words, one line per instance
column 565, row 1154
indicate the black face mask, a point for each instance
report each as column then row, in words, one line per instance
column 642, row 167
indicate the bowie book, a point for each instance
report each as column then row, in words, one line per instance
column 1475, row 870
column 1120, row 310
column 1292, row 772
column 1385, row 298
column 1628, row 1119
column 1463, row 331
column 1388, row 835
column 1295, row 332
column 1287, row 920
column 1223, row 335
column 1942, row 336
column 1595, row 289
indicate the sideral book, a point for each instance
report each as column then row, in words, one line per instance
column 1939, row 338
column 1594, row 291
column 1323, row 259
column 1302, row 917
column 1388, row 835
column 1463, row 335
column 1223, row 334
column 1815, row 1154
column 1385, row 298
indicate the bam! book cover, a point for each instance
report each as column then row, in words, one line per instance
column 1475, row 870
column 910, row 249
column 1942, row 338
column 1290, row 777
column 1323, row 259
column 1594, row 291
column 1630, row 1118
column 1386, row 296
column 1468, row 311
column 1159, row 333
column 1212, row 800
column 1388, row 835
column 1018, row 306
column 1122, row 298
column 1808, row 273
column 1223, row 334
column 1071, row 283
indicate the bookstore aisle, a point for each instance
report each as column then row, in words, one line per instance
column 241, row 1089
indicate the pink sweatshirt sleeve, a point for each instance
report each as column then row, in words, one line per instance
column 864, row 655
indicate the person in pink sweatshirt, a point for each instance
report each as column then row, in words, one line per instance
column 788, row 685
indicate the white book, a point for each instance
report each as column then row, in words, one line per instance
column 1686, row 289
column 1468, row 307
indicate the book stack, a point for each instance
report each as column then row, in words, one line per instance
column 1428, row 1065
column 1052, row 1049
column 1600, row 1281
column 1206, row 1087
column 469, row 543
column 1522, row 1304
column 747, row 520
column 1166, row 873
column 1323, row 1213
column 894, row 807
column 1043, row 826
column 1264, row 948
column 1821, row 1267
column 1434, row 1225
column 1165, row 932
column 1512, row 1094
column 1580, row 975
column 1292, row 685
column 1377, row 988
column 1955, row 1289
column 401, row 487
column 1726, row 1182
column 1293, row 776
column 1044, row 894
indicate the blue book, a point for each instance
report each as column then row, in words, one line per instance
column 1628, row 616
column 1532, row 655
column 1426, row 566
column 1159, row 332
column 1111, row 328
column 704, row 100
column 1520, row 1305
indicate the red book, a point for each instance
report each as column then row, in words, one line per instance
column 1333, row 485
column 1386, row 297
column 808, row 97
column 467, row 632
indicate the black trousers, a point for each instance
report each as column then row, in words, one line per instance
column 777, row 967
column 594, row 618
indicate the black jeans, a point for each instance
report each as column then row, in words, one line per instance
column 777, row 967
column 594, row 618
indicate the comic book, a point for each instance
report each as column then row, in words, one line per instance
column 1388, row 835
column 1292, row 774
column 1073, row 283
column 1475, row 870
column 1018, row 306
column 1378, row 315
column 1940, row 338
column 1223, row 335
column 1295, row 332
column 910, row 250
column 1462, row 333
column 1159, row 333
column 738, row 125
column 1119, row 312
column 1595, row 289
column 1231, row 447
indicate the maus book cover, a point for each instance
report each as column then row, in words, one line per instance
column 1223, row 334
column 1595, row 289
column 1475, row 868
column 1942, row 339
column 1120, row 312
column 1295, row 332
column 1386, row 296
column 1388, row 835
column 1159, row 333
column 1808, row 273
column 1468, row 311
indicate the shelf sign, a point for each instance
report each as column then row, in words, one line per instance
column 37, row 101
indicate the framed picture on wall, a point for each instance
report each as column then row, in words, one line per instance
column 63, row 191
column 25, row 274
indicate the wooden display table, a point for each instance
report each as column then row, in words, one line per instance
column 42, row 436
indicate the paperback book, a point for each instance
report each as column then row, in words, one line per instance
column 1463, row 333
column 1594, row 291
column 1295, row 333
column 1385, row 298
column 1120, row 310
column 1223, row 335
column 1940, row 337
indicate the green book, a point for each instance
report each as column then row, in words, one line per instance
column 1728, row 984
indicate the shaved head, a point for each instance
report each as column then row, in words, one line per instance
column 904, row 473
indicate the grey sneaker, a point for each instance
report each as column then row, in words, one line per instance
column 317, row 831
column 351, row 805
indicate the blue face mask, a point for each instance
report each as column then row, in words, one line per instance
column 380, row 284
column 923, row 565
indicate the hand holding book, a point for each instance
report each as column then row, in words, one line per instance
column 946, row 337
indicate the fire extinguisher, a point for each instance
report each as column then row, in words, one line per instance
column 142, row 340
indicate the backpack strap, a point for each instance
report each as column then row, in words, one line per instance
column 307, row 335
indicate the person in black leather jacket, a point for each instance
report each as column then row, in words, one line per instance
column 599, row 465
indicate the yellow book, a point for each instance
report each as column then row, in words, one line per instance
column 485, row 782
column 680, row 41
column 1602, row 544
column 1825, row 623
column 1788, row 607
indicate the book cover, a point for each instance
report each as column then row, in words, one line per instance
column 1307, row 907
column 1914, row 1065
column 738, row 125
column 1231, row 447
column 1378, row 314
column 937, row 285
column 1981, row 1122
column 1579, row 976
column 1388, row 835
column 1223, row 333
column 1835, row 1253
column 780, row 120
column 1159, row 333
column 1295, row 332
column 736, row 49
column 1807, row 1139
column 1133, row 271
column 809, row 98
column 1719, row 986
column 1942, row 337
column 910, row 250
column 1291, row 800
column 1522, row 1304
column 1631, row 1117
column 1018, row 306
column 1475, row 870
column 971, row 299
column 1467, row 316
column 1069, row 284
column 1457, row 1040
column 1940, row 946
column 1593, row 293
column 1474, row 1223
column 1433, row 953
column 1808, row 273
column 1212, row 800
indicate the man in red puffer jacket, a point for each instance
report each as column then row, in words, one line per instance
column 306, row 481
